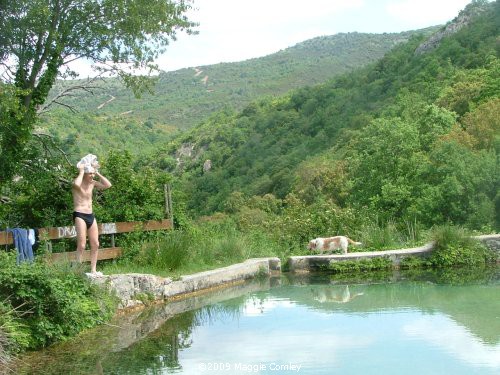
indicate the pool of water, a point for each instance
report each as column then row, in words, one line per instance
column 316, row 324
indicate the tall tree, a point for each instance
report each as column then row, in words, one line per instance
column 39, row 38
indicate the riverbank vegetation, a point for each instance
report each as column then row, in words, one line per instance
column 393, row 155
column 41, row 304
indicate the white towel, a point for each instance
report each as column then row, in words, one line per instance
column 89, row 162
column 31, row 236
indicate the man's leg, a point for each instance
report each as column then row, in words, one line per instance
column 81, row 237
column 93, row 233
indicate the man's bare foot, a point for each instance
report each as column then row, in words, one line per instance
column 94, row 274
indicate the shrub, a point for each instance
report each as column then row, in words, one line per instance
column 168, row 253
column 57, row 302
column 455, row 247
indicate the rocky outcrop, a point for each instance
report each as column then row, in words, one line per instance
column 462, row 20
column 207, row 166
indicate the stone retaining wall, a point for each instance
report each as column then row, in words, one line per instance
column 492, row 241
column 136, row 289
column 310, row 263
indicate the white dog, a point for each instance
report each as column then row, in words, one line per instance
column 331, row 243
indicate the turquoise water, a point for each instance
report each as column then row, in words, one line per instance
column 389, row 324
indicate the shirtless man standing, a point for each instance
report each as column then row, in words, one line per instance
column 85, row 222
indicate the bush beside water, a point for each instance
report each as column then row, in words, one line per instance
column 41, row 304
column 453, row 247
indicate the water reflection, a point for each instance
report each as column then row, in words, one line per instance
column 320, row 322
column 335, row 294
column 446, row 334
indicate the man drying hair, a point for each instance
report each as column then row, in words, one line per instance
column 85, row 222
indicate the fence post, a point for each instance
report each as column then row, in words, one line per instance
column 169, row 213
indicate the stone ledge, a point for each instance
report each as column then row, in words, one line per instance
column 309, row 263
column 134, row 289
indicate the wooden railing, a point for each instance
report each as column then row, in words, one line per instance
column 57, row 233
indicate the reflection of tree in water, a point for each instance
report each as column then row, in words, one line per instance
column 160, row 349
column 99, row 353
column 139, row 342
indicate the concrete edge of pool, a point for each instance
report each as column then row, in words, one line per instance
column 134, row 289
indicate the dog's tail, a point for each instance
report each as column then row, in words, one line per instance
column 353, row 242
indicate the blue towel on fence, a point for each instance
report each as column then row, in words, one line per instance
column 22, row 244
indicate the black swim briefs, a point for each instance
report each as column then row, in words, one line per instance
column 88, row 218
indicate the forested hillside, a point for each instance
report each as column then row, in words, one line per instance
column 415, row 137
column 112, row 117
column 410, row 138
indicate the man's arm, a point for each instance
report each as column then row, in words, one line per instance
column 77, row 182
column 103, row 183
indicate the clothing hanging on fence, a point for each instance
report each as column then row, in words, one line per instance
column 34, row 237
column 31, row 236
column 22, row 244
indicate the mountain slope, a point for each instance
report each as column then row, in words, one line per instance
column 209, row 88
column 274, row 144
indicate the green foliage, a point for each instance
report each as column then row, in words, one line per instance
column 413, row 263
column 381, row 140
column 167, row 254
column 483, row 126
column 82, row 133
column 13, row 334
column 56, row 303
column 40, row 195
column 364, row 265
column 377, row 236
column 135, row 195
column 207, row 245
column 299, row 222
column 455, row 247
column 461, row 186
column 146, row 298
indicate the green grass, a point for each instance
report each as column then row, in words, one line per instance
column 213, row 245
column 203, row 248
column 390, row 235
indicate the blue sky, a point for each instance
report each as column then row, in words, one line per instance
column 237, row 30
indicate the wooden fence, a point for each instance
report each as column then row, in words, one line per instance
column 57, row 233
